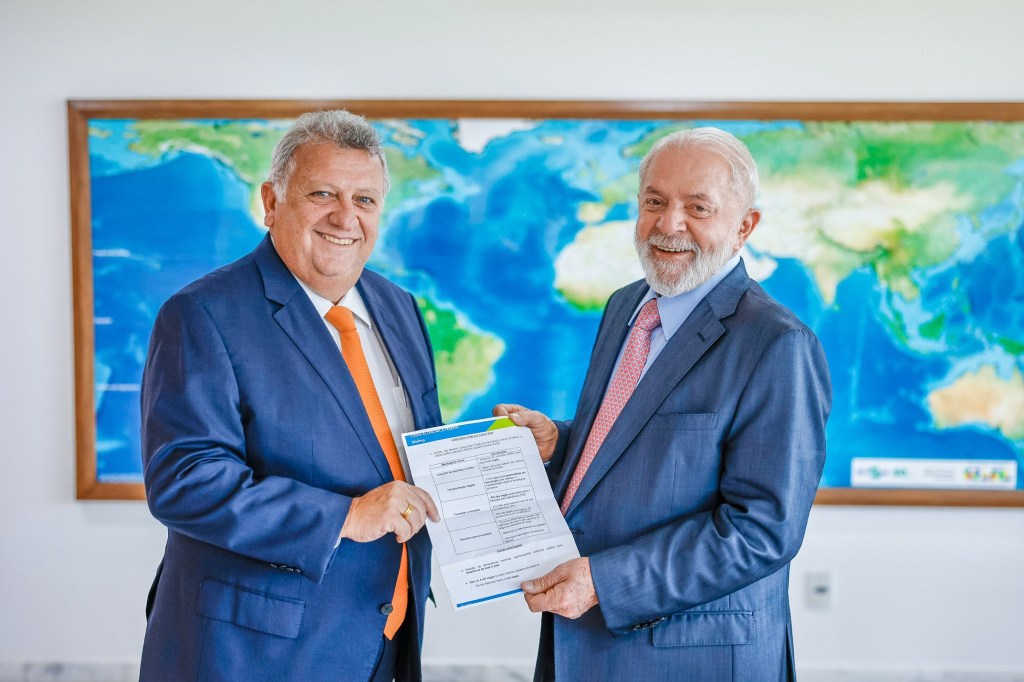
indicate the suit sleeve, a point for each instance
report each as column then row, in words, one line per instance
column 194, row 455
column 773, row 455
column 555, row 465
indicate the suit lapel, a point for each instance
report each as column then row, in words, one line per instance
column 397, row 345
column 696, row 335
column 606, row 350
column 300, row 321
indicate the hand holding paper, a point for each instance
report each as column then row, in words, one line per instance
column 394, row 507
column 543, row 429
column 568, row 590
column 499, row 523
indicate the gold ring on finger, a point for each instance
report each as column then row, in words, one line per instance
column 408, row 510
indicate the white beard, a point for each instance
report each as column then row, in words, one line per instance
column 672, row 279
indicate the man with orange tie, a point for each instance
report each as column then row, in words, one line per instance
column 273, row 399
column 689, row 469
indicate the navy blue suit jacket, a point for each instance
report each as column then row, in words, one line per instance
column 698, row 498
column 255, row 441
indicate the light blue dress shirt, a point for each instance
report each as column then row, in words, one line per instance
column 673, row 311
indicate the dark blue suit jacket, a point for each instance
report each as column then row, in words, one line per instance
column 699, row 496
column 255, row 441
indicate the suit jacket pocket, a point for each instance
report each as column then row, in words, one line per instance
column 702, row 628
column 684, row 421
column 267, row 613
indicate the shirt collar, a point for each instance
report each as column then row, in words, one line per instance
column 674, row 310
column 351, row 300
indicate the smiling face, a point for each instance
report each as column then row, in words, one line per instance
column 691, row 219
column 324, row 224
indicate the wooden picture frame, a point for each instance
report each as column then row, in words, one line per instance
column 81, row 113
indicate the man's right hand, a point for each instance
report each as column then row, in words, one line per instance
column 544, row 430
column 379, row 512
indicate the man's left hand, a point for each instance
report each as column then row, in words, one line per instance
column 543, row 429
column 568, row 590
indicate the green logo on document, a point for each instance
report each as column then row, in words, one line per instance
column 501, row 423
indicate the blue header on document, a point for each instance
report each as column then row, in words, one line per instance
column 456, row 430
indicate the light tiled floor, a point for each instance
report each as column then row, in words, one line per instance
column 477, row 673
column 864, row 676
column 57, row 672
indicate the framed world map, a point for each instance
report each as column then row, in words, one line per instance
column 894, row 231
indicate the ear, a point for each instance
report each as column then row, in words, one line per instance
column 269, row 203
column 750, row 222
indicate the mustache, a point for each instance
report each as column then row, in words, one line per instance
column 678, row 243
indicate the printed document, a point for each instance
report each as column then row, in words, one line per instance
column 499, row 523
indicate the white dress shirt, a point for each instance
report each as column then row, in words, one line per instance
column 385, row 377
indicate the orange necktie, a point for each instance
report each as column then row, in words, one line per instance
column 352, row 351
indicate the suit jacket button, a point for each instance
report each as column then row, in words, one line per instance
column 386, row 609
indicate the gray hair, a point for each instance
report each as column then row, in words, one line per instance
column 338, row 127
column 726, row 145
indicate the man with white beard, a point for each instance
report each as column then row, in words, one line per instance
column 690, row 467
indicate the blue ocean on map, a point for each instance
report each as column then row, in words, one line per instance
column 154, row 230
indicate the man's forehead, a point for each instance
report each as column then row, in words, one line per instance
column 695, row 173
column 325, row 150
column 703, row 189
column 325, row 161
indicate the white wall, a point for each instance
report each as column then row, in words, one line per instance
column 916, row 588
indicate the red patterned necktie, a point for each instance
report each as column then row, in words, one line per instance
column 627, row 375
column 352, row 351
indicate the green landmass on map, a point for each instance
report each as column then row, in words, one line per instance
column 243, row 146
column 246, row 148
column 407, row 173
column 891, row 197
column 897, row 199
column 464, row 358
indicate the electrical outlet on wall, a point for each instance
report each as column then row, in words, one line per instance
column 818, row 592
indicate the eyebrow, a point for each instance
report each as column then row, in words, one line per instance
column 699, row 196
column 334, row 188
